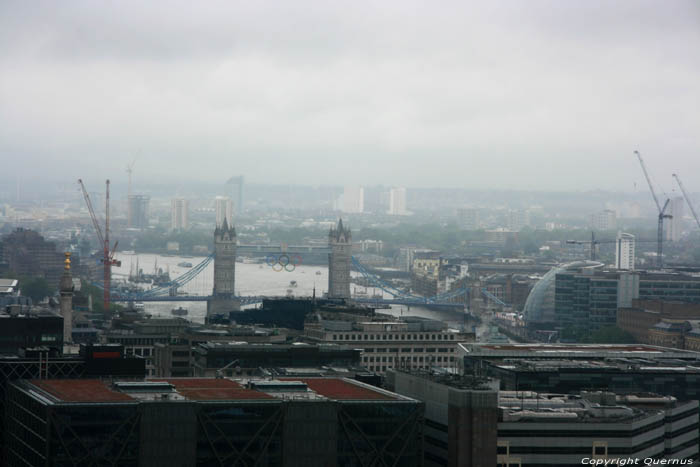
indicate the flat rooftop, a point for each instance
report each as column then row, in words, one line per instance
column 206, row 389
column 574, row 351
column 612, row 364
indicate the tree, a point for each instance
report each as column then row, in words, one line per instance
column 36, row 288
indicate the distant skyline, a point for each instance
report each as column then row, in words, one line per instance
column 522, row 95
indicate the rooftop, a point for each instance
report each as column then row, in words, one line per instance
column 205, row 389
column 612, row 364
column 574, row 351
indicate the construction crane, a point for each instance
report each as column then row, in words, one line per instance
column 107, row 255
column 662, row 215
column 687, row 199
column 593, row 242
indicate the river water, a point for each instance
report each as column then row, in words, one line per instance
column 254, row 279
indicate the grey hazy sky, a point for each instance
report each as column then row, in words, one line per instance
column 504, row 94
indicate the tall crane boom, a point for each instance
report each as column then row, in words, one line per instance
column 687, row 199
column 107, row 255
column 662, row 215
column 646, row 175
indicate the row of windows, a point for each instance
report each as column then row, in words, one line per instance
column 387, row 336
column 408, row 350
column 144, row 352
column 384, row 367
column 408, row 359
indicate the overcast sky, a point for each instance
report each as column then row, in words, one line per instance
column 550, row 95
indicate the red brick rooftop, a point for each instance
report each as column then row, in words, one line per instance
column 81, row 390
column 207, row 389
column 338, row 389
column 202, row 389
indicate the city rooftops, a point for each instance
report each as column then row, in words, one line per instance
column 204, row 390
column 578, row 351
column 8, row 286
column 585, row 407
column 608, row 364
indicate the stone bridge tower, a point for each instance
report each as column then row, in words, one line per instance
column 223, row 296
column 339, row 261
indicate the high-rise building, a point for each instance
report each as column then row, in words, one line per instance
column 224, row 210
column 397, row 202
column 235, row 185
column 353, row 199
column 138, row 211
column 179, row 214
column 624, row 251
column 468, row 218
column 518, row 219
column 26, row 253
column 604, row 220
column 673, row 226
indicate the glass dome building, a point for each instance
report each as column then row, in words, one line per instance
column 539, row 306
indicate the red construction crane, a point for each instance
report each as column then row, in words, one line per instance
column 107, row 255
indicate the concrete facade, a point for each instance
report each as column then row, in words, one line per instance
column 461, row 417
column 66, row 304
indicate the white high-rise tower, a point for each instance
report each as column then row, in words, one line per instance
column 624, row 251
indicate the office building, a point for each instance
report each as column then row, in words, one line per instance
column 411, row 342
column 604, row 220
column 673, row 227
column 93, row 361
column 461, row 415
column 29, row 330
column 353, row 200
column 242, row 358
column 27, row 253
column 179, row 214
column 235, row 186
column 663, row 323
column 518, row 219
column 468, row 218
column 569, row 368
column 583, row 294
column 470, row 422
column 210, row 421
column 570, row 430
column 624, row 251
column 138, row 211
column 397, row 202
column 224, row 210
column 176, row 357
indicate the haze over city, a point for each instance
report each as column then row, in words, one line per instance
column 541, row 95
column 338, row 234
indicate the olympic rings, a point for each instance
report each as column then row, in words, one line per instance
column 283, row 262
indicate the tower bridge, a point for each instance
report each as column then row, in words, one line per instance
column 340, row 263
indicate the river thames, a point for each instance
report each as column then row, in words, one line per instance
column 254, row 279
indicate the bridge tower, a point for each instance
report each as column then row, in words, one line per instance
column 340, row 243
column 223, row 296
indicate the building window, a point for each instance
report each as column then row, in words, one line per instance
column 365, row 336
column 335, row 337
